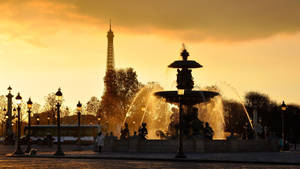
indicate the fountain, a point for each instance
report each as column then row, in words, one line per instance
column 185, row 82
column 144, row 108
column 159, row 110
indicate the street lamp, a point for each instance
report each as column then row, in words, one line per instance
column 14, row 111
column 58, row 98
column 48, row 118
column 18, row 149
column 180, row 153
column 283, row 109
column 37, row 119
column 99, row 119
column 79, row 105
column 29, row 106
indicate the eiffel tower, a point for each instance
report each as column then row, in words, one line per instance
column 110, row 65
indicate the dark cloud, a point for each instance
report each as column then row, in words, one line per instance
column 228, row 20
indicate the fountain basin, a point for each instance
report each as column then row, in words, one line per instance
column 189, row 97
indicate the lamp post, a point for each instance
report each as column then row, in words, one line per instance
column 180, row 153
column 37, row 120
column 99, row 119
column 79, row 105
column 18, row 149
column 29, row 106
column 283, row 109
column 5, row 119
column 14, row 116
column 59, row 151
column 14, row 112
column 2, row 126
column 48, row 118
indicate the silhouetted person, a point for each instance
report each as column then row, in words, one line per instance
column 49, row 139
column 143, row 131
column 125, row 132
column 100, row 141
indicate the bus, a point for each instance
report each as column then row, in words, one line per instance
column 40, row 134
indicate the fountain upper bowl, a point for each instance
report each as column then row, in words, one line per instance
column 189, row 98
column 185, row 64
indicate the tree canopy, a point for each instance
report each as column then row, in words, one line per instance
column 120, row 88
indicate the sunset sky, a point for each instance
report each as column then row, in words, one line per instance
column 249, row 45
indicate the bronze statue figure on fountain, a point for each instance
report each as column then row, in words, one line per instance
column 184, row 79
column 125, row 132
column 143, row 132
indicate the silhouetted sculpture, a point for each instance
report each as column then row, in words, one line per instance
column 184, row 79
column 125, row 132
column 111, row 136
column 208, row 131
column 135, row 135
column 196, row 124
column 143, row 132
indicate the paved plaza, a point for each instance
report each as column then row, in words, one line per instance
column 6, row 162
column 90, row 159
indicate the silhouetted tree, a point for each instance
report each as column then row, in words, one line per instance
column 235, row 116
column 261, row 102
column 292, row 118
column 120, row 87
column 93, row 105
column 50, row 106
column 35, row 107
column 65, row 112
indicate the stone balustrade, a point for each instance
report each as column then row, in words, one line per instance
column 192, row 145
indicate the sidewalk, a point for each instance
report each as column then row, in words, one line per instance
column 288, row 157
column 291, row 158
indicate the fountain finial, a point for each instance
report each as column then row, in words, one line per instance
column 183, row 46
column 184, row 53
column 9, row 89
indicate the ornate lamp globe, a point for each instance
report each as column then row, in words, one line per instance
column 29, row 104
column 58, row 96
column 283, row 106
column 79, row 106
column 99, row 118
column 19, row 99
column 48, row 117
column 38, row 118
column 180, row 92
